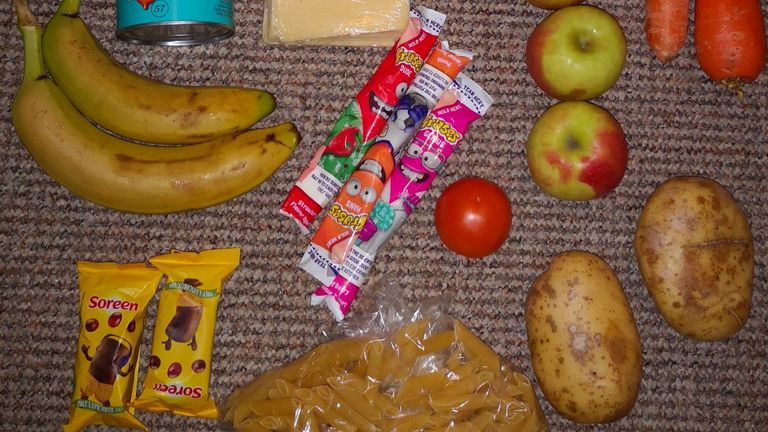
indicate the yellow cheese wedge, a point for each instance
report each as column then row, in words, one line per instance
column 335, row 22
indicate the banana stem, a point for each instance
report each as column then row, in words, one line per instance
column 32, row 36
column 69, row 7
column 24, row 15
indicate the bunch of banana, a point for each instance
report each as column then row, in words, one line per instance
column 114, row 171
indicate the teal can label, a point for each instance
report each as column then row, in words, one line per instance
column 174, row 22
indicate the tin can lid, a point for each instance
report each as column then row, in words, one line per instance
column 175, row 33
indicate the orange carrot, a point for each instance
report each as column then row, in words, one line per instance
column 730, row 39
column 666, row 27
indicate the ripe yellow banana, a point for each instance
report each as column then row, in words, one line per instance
column 133, row 106
column 128, row 176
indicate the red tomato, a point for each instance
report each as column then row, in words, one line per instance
column 473, row 217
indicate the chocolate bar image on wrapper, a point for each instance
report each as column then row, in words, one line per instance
column 184, row 323
column 111, row 356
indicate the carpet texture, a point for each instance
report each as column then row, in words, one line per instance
column 676, row 121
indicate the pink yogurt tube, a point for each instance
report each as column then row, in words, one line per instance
column 439, row 136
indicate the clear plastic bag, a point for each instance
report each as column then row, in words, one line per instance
column 397, row 368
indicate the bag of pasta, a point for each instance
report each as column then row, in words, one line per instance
column 394, row 369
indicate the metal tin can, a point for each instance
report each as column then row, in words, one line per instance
column 174, row 22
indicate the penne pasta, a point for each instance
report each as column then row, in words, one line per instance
column 258, row 389
column 307, row 420
column 409, row 340
column 242, row 414
column 274, row 407
column 250, row 426
column 477, row 347
column 439, row 342
column 326, row 412
column 455, row 359
column 345, row 410
column 482, row 419
column 463, row 403
column 324, row 357
column 374, row 355
column 418, row 385
column 355, row 397
column 411, row 422
column 369, row 385
column 276, row 423
column 383, row 403
column 467, row 369
column 285, row 388
column 470, row 384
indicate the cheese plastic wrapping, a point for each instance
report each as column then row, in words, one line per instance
column 113, row 306
column 335, row 22
column 178, row 374
column 393, row 368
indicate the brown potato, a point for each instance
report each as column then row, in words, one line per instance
column 695, row 253
column 583, row 339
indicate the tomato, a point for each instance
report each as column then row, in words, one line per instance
column 473, row 217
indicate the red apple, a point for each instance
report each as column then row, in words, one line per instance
column 577, row 151
column 576, row 53
column 553, row 4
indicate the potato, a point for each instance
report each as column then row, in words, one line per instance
column 695, row 253
column 583, row 339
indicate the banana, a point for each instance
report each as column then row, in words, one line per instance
column 133, row 106
column 127, row 176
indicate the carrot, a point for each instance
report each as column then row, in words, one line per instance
column 729, row 36
column 666, row 27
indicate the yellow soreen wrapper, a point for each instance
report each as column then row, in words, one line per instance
column 113, row 304
column 180, row 363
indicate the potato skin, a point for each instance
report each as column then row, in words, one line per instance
column 695, row 252
column 583, row 339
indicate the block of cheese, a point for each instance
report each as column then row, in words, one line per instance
column 335, row 22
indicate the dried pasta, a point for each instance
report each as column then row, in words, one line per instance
column 419, row 378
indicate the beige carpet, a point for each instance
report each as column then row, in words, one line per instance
column 677, row 122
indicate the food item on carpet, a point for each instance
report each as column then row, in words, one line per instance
column 473, row 217
column 418, row 167
column 362, row 120
column 729, row 36
column 107, row 352
column 430, row 372
column 335, row 22
column 178, row 377
column 125, row 175
column 666, row 27
column 576, row 53
column 583, row 338
column 136, row 107
column 695, row 251
column 577, row 151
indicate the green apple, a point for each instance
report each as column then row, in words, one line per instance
column 577, row 151
column 576, row 53
column 553, row 4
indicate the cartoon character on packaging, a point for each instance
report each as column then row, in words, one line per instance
column 185, row 322
column 413, row 175
column 409, row 113
column 355, row 201
column 346, row 144
column 107, row 363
